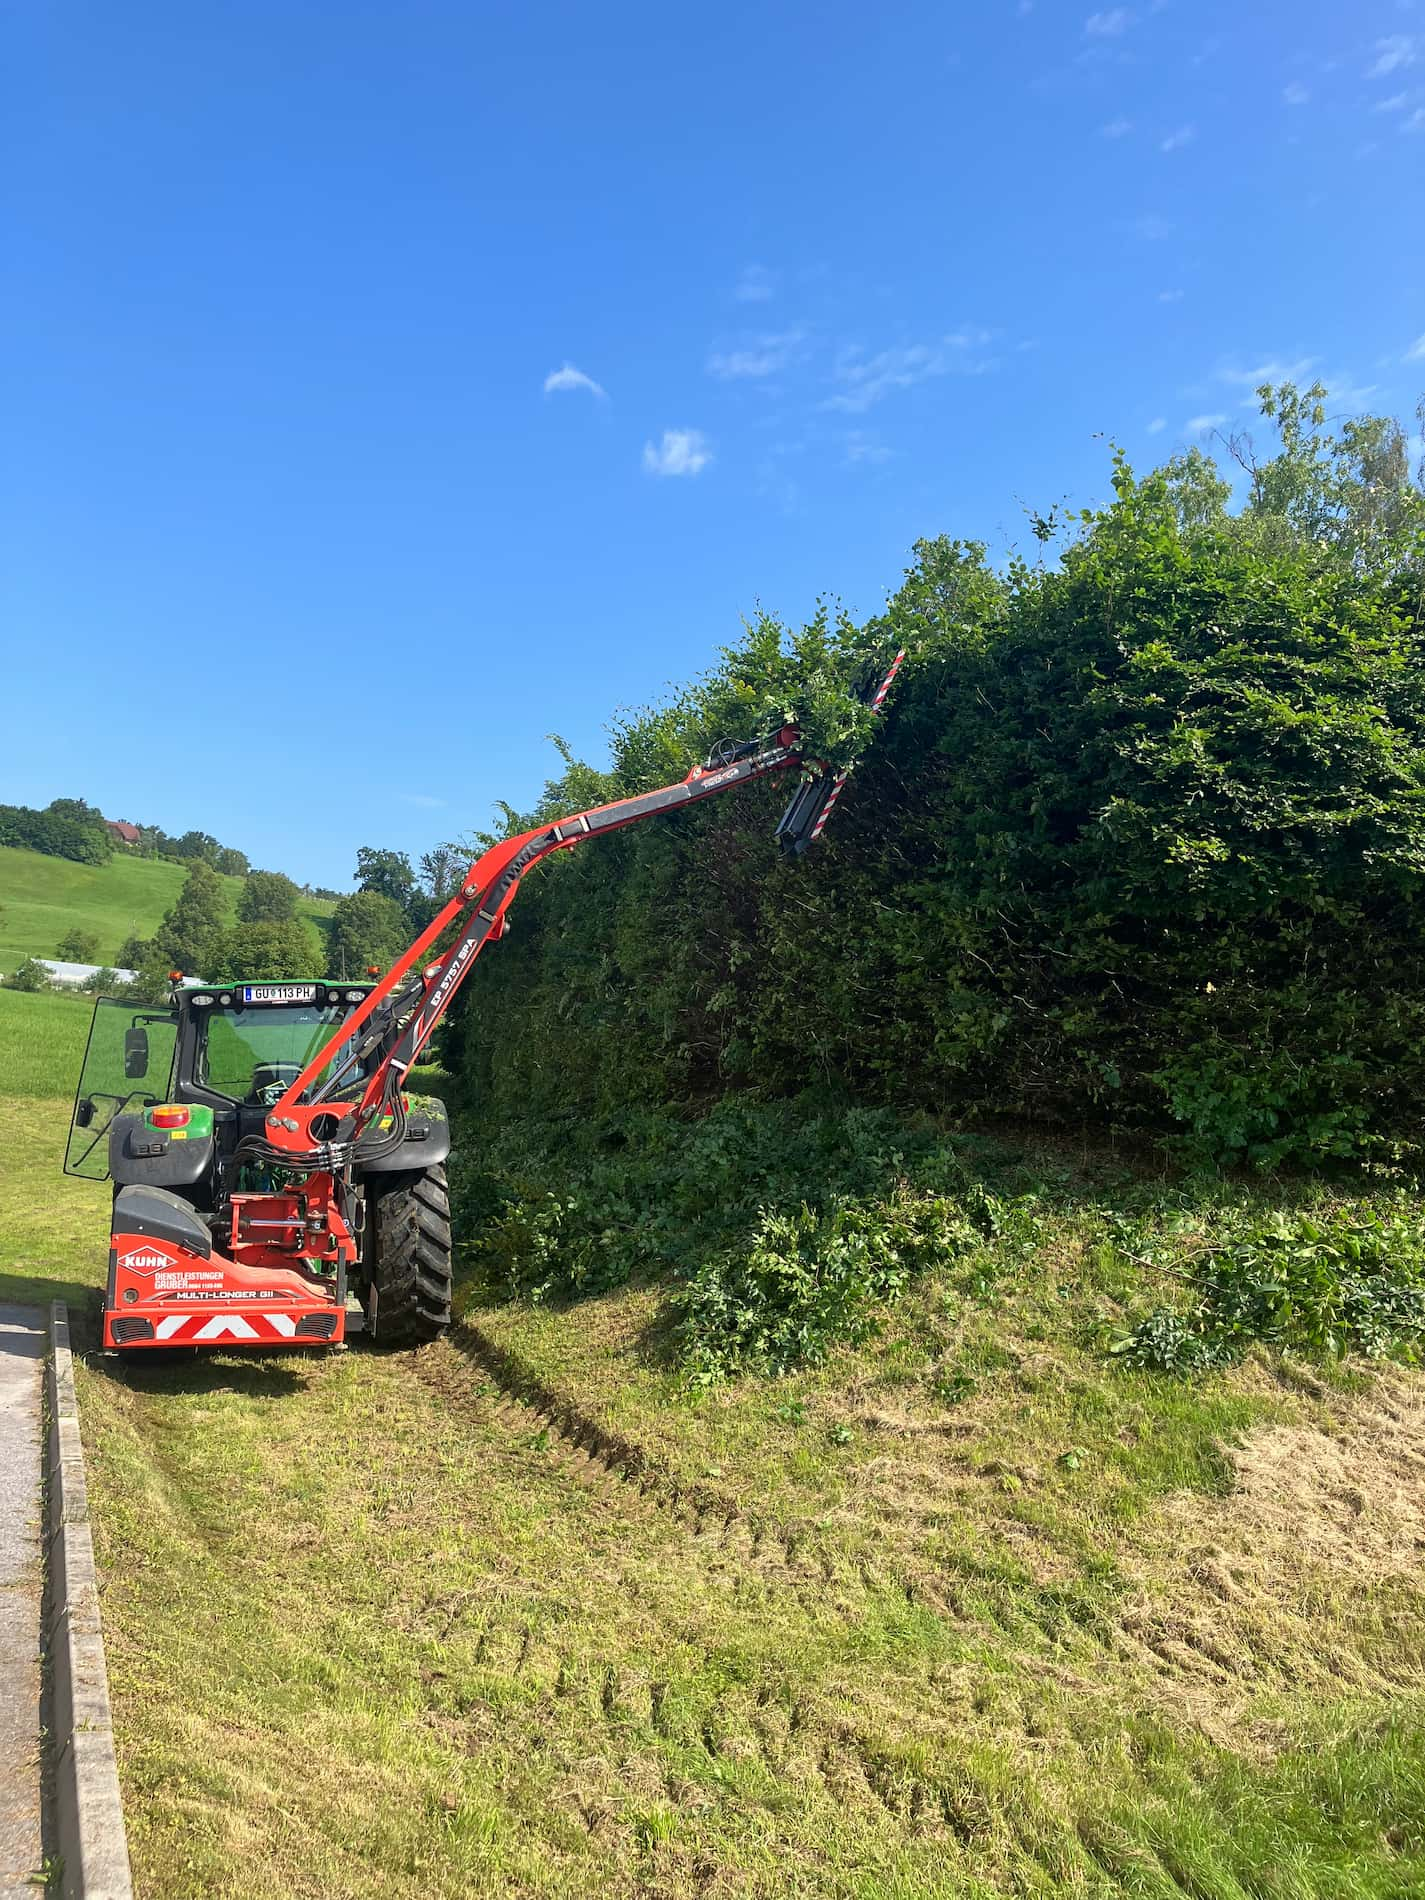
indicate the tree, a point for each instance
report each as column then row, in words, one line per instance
column 232, row 863
column 79, row 810
column 152, row 983
column 103, row 982
column 136, row 951
column 197, row 844
column 31, row 976
column 77, row 946
column 1198, row 493
column 1347, row 489
column 57, row 834
column 366, row 928
column 188, row 935
column 269, row 949
column 441, row 870
column 267, row 897
column 386, row 872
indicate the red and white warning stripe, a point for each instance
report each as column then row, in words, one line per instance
column 202, row 1328
column 840, row 779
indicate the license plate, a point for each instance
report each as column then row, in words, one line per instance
column 279, row 993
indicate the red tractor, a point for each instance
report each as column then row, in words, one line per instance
column 268, row 1157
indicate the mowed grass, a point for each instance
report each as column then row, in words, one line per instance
column 376, row 1627
column 42, row 1038
column 42, row 898
column 54, row 1230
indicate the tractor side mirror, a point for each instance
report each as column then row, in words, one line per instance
column 135, row 1053
column 84, row 1113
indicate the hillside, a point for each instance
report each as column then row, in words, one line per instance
column 43, row 897
column 969, row 1608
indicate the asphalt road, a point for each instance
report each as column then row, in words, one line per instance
column 22, row 1346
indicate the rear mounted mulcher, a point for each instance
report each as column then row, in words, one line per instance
column 170, row 1286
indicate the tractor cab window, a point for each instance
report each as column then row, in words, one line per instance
column 254, row 1055
column 128, row 1065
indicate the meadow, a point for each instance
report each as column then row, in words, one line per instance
column 968, row 1608
column 41, row 898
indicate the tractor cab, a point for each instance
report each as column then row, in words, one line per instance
column 224, row 1052
column 246, row 1043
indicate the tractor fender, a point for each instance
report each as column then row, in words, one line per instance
column 176, row 1164
column 420, row 1149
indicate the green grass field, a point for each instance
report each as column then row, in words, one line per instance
column 42, row 1041
column 41, row 898
column 966, row 1611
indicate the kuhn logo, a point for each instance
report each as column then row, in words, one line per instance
column 144, row 1260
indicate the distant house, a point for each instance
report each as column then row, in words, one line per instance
column 122, row 832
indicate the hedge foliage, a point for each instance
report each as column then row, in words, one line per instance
column 1139, row 840
column 787, row 1224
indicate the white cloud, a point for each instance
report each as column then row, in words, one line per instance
column 1392, row 54
column 1295, row 95
column 1116, row 129
column 755, row 285
column 681, row 452
column 1395, row 103
column 1157, row 425
column 571, row 378
column 1203, row 425
column 1416, row 121
column 1175, row 141
column 1416, row 352
column 1108, row 25
column 1274, row 370
column 868, row 379
column 861, row 448
column 1170, row 296
column 762, row 356
column 1343, row 393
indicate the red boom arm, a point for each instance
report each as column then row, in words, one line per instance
column 407, row 1008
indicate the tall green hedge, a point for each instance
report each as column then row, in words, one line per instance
column 1139, row 840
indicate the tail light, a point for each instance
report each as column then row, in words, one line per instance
column 169, row 1115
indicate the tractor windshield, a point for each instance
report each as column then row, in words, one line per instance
column 254, row 1055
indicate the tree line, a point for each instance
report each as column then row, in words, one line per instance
column 366, row 932
column 73, row 828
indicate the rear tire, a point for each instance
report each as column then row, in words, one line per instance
column 408, row 1260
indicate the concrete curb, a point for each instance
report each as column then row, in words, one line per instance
column 89, row 1835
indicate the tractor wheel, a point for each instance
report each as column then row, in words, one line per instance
column 408, row 1257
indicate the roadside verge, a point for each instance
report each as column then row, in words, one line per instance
column 89, row 1838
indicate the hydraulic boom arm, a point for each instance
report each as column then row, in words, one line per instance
column 378, row 1043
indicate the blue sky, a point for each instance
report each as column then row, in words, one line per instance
column 389, row 386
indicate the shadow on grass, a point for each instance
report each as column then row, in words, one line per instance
column 271, row 1374
column 658, row 1345
column 30, row 1289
